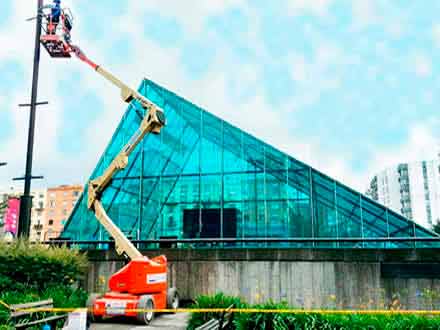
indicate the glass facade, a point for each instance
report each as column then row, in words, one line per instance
column 204, row 178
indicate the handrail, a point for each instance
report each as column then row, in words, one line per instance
column 256, row 240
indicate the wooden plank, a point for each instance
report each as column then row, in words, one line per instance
column 34, row 310
column 32, row 304
column 210, row 325
column 17, row 309
column 45, row 320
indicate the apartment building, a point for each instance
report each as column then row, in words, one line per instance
column 38, row 215
column 60, row 202
column 411, row 189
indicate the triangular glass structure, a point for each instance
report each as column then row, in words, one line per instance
column 204, row 178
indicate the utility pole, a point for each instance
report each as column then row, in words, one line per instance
column 26, row 199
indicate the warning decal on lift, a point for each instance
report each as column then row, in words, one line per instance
column 156, row 278
column 115, row 307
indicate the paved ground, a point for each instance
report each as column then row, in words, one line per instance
column 164, row 321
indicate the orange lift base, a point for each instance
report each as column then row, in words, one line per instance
column 140, row 278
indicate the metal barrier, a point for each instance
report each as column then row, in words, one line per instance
column 301, row 242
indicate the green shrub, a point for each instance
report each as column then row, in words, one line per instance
column 267, row 321
column 311, row 321
column 218, row 300
column 306, row 321
column 24, row 266
column 32, row 272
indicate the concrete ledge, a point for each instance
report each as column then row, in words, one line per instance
column 309, row 278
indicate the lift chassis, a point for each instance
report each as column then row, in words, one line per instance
column 140, row 286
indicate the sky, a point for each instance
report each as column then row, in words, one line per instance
column 347, row 86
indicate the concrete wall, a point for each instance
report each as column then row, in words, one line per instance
column 303, row 278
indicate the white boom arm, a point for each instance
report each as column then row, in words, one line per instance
column 152, row 122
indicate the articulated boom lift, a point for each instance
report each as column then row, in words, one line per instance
column 142, row 283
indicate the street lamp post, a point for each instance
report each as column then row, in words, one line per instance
column 26, row 198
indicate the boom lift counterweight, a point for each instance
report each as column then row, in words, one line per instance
column 142, row 283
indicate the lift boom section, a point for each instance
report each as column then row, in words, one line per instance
column 153, row 121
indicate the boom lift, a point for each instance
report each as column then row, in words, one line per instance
column 142, row 283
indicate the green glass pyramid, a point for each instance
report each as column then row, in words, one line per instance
column 204, row 178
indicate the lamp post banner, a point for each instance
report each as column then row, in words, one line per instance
column 11, row 216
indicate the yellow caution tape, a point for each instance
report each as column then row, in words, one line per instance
column 250, row 310
column 4, row 304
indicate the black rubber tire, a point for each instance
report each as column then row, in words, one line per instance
column 145, row 302
column 173, row 300
column 90, row 302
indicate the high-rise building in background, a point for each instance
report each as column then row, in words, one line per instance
column 38, row 215
column 412, row 189
column 59, row 204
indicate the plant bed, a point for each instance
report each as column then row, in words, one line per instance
column 32, row 272
column 282, row 320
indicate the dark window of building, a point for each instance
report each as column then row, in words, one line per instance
column 50, row 222
column 210, row 224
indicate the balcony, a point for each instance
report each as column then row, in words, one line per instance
column 38, row 226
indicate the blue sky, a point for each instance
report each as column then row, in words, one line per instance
column 347, row 86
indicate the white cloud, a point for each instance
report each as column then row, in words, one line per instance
column 421, row 144
column 257, row 115
column 316, row 74
column 299, row 68
column 364, row 13
column 192, row 16
column 316, row 7
column 422, row 65
column 395, row 29
column 436, row 34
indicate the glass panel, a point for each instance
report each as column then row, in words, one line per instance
column 249, row 209
column 400, row 227
column 299, row 202
column 324, row 217
column 234, row 187
column 204, row 178
column 349, row 215
column 211, row 162
column 233, row 153
column 375, row 220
